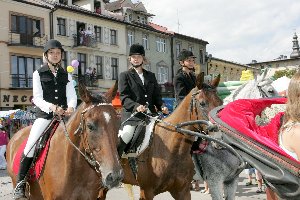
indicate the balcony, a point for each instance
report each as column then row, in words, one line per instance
column 21, row 81
column 17, row 39
column 85, row 41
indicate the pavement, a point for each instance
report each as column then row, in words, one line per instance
column 243, row 192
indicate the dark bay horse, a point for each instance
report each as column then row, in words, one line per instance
column 67, row 174
column 166, row 165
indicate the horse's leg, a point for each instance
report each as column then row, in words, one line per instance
column 215, row 189
column 129, row 190
column 146, row 194
column 230, row 189
column 181, row 194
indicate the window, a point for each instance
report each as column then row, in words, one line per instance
column 114, row 68
column 98, row 33
column 64, row 60
column 162, row 73
column 113, row 37
column 161, row 45
column 138, row 18
column 143, row 21
column 145, row 41
column 22, row 68
column 99, row 66
column 178, row 49
column 97, row 7
column 191, row 48
column 130, row 38
column 130, row 17
column 147, row 67
column 61, row 26
column 201, row 56
column 28, row 27
column 82, row 64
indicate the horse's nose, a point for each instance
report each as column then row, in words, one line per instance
column 113, row 179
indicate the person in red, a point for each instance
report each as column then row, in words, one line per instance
column 3, row 143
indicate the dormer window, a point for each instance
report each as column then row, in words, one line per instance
column 130, row 17
column 143, row 21
column 97, row 7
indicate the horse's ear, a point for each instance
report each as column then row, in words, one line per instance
column 263, row 75
column 200, row 80
column 215, row 82
column 84, row 93
column 112, row 92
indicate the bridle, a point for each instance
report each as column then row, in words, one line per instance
column 197, row 105
column 88, row 153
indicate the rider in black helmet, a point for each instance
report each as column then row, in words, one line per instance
column 53, row 92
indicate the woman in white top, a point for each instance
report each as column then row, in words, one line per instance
column 289, row 136
column 53, row 93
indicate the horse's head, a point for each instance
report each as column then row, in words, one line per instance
column 260, row 87
column 98, row 130
column 204, row 97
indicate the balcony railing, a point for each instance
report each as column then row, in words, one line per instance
column 19, row 39
column 21, row 81
column 85, row 40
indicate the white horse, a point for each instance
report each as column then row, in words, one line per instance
column 220, row 168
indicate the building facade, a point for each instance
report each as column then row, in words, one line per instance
column 22, row 38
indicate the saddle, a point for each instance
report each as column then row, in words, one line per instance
column 40, row 153
column 141, row 138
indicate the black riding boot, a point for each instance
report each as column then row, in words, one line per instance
column 19, row 192
column 121, row 147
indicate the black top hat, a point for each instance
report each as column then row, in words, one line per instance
column 52, row 44
column 137, row 49
column 185, row 54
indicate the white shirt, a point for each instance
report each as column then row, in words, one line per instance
column 38, row 99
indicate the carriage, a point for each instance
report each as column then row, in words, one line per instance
column 258, row 147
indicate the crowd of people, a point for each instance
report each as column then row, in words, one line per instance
column 139, row 92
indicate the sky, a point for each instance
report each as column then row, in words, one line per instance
column 236, row 30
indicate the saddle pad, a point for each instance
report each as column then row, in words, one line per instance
column 146, row 141
column 36, row 170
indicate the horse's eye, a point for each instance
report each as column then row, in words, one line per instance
column 91, row 127
column 271, row 91
column 202, row 103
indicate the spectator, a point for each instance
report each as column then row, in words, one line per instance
column 249, row 172
column 3, row 143
column 88, row 76
column 94, row 76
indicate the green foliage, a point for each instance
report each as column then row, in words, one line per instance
column 287, row 72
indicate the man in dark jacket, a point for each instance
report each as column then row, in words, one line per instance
column 185, row 79
column 139, row 91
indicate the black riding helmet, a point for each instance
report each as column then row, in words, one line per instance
column 137, row 49
column 185, row 54
column 52, row 44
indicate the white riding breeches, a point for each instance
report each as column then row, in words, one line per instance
column 36, row 131
column 127, row 133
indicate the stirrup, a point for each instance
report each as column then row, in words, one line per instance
column 19, row 192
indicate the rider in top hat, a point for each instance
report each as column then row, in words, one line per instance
column 139, row 91
column 185, row 79
column 53, row 92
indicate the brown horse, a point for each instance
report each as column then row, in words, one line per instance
column 166, row 165
column 67, row 173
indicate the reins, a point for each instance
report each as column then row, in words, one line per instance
column 88, row 155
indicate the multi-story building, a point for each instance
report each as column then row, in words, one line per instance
column 230, row 71
column 95, row 32
column 24, row 30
